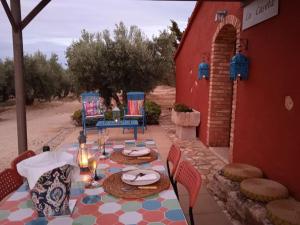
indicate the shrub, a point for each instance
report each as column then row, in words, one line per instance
column 77, row 117
column 178, row 107
column 153, row 112
column 108, row 115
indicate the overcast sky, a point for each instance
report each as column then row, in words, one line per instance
column 61, row 21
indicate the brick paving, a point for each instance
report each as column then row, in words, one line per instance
column 208, row 210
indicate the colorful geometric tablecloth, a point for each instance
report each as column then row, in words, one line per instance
column 94, row 206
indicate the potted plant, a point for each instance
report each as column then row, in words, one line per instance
column 186, row 121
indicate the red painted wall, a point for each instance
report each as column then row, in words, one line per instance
column 266, row 134
column 197, row 42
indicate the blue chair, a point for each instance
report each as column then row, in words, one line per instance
column 135, row 108
column 92, row 108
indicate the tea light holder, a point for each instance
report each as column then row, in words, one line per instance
column 82, row 153
column 116, row 114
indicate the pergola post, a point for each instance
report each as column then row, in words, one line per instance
column 19, row 76
column 15, row 18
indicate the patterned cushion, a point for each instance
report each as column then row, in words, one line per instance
column 51, row 193
column 135, row 107
column 92, row 106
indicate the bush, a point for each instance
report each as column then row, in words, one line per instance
column 108, row 115
column 77, row 117
column 153, row 112
column 178, row 107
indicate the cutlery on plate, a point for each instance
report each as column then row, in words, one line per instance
column 147, row 187
column 131, row 151
column 128, row 188
column 132, row 188
column 137, row 176
column 144, row 157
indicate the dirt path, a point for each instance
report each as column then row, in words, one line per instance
column 46, row 122
column 50, row 123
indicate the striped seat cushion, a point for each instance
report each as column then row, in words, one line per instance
column 135, row 107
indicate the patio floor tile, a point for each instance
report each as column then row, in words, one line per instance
column 210, row 219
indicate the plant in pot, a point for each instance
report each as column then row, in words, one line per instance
column 186, row 121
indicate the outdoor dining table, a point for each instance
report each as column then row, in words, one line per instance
column 95, row 206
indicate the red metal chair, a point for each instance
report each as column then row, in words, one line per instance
column 10, row 181
column 173, row 157
column 25, row 155
column 190, row 178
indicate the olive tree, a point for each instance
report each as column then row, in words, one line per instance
column 124, row 60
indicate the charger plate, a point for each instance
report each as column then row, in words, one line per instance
column 119, row 157
column 136, row 151
column 116, row 187
column 141, row 182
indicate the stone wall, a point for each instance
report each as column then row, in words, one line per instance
column 241, row 209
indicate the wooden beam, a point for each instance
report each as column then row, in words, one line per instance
column 19, row 78
column 9, row 15
column 33, row 13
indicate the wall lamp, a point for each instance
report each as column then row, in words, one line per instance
column 203, row 69
column 239, row 63
column 220, row 15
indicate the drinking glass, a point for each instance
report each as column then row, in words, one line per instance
column 101, row 140
column 106, row 137
column 92, row 164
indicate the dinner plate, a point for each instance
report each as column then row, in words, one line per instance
column 117, row 147
column 136, row 179
column 136, row 151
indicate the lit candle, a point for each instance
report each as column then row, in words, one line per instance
column 84, row 160
column 85, row 178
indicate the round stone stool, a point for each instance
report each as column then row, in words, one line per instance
column 285, row 211
column 263, row 190
column 238, row 172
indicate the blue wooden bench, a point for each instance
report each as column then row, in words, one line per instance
column 102, row 124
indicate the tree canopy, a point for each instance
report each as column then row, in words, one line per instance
column 44, row 78
column 125, row 60
column 177, row 32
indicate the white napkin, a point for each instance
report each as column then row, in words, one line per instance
column 34, row 167
column 137, row 151
column 147, row 177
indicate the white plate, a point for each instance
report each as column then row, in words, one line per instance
column 136, row 151
column 139, row 181
column 118, row 146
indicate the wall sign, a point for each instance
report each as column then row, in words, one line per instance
column 258, row 11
